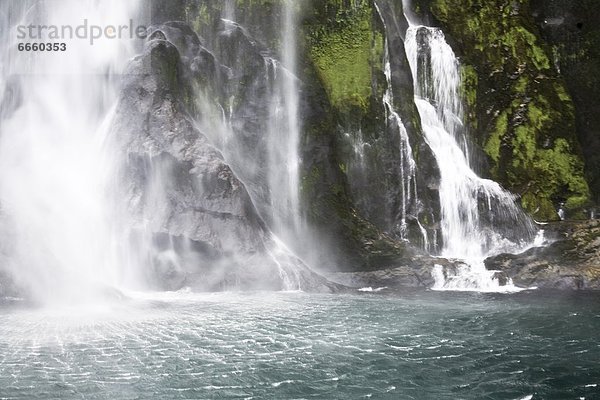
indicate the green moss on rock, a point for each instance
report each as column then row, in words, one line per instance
column 469, row 88
column 492, row 146
column 575, row 43
column 344, row 46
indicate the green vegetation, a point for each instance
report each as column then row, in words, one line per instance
column 492, row 146
column 469, row 88
column 344, row 46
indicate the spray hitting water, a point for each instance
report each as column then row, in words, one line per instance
column 479, row 218
column 55, row 107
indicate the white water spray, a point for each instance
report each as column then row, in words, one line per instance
column 284, row 134
column 52, row 160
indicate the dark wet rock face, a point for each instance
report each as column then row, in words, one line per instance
column 572, row 261
column 425, row 209
column 199, row 220
column 352, row 160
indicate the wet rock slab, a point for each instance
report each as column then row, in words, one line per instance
column 415, row 272
column 572, row 261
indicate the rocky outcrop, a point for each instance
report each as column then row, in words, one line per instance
column 194, row 216
column 172, row 165
column 572, row 261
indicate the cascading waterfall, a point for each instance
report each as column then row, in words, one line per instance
column 282, row 153
column 408, row 181
column 407, row 162
column 57, row 168
column 53, row 164
column 479, row 218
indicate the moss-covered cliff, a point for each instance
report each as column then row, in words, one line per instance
column 351, row 159
column 346, row 43
column 518, row 105
column 572, row 29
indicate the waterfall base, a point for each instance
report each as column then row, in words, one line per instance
column 472, row 277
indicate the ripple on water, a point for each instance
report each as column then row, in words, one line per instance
column 294, row 345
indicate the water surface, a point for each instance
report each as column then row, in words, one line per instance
column 420, row 345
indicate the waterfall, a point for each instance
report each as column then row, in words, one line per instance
column 55, row 112
column 284, row 133
column 407, row 162
column 258, row 128
column 478, row 217
column 282, row 158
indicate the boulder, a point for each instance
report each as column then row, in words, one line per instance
column 414, row 273
column 571, row 261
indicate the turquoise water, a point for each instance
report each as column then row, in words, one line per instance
column 420, row 345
